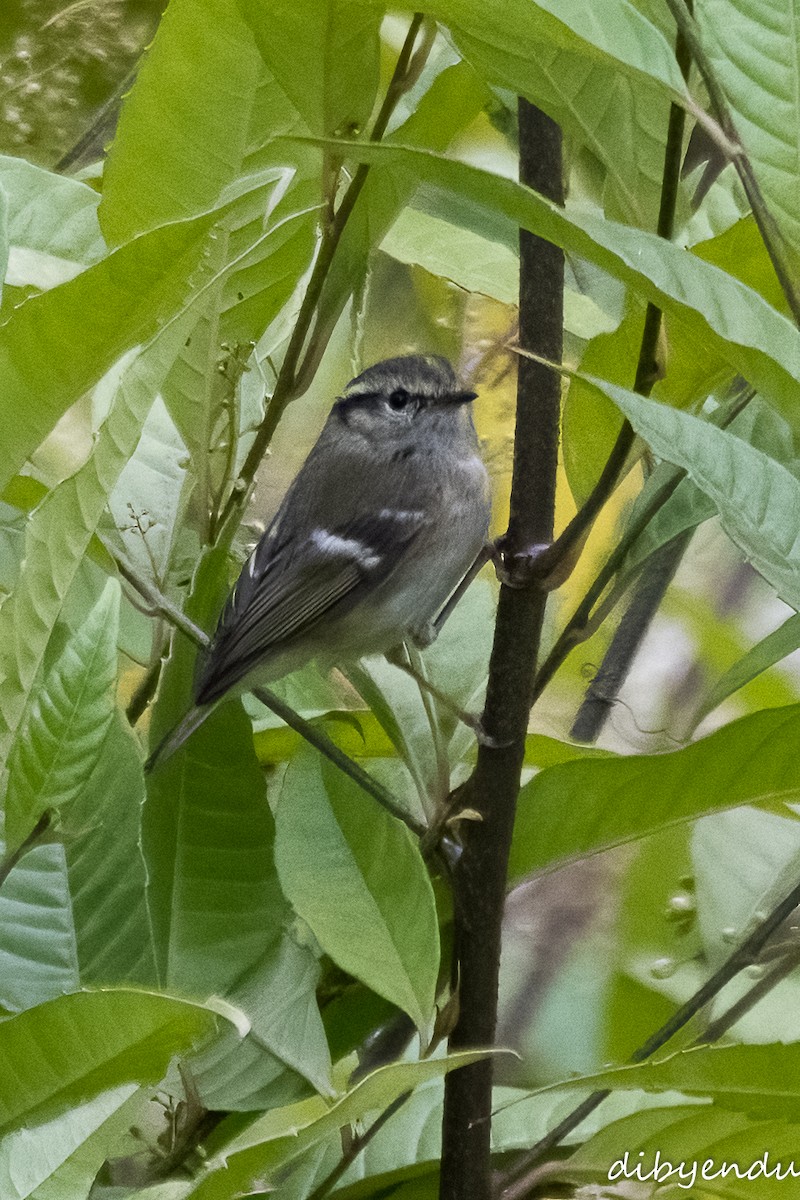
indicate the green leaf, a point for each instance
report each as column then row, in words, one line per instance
column 756, row 497
column 759, row 1080
column 606, row 80
column 207, row 831
column 50, row 214
column 467, row 259
column 159, row 171
column 758, row 425
column 618, row 32
column 59, row 532
column 355, row 875
column 453, row 100
column 215, row 902
column 52, row 225
column 324, row 54
column 578, row 808
column 286, row 1044
column 770, row 650
column 285, row 1134
column 3, row 237
column 590, row 422
column 59, row 741
column 733, row 320
column 59, row 1159
column 753, row 51
column 71, row 1049
column 38, row 956
column 56, row 345
column 111, row 928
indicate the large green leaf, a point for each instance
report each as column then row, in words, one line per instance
column 734, row 320
column 51, row 214
column 588, row 81
column 324, row 54
column 218, row 137
column 207, row 831
column 753, row 50
column 355, row 874
column 286, row 1044
column 59, row 741
column 162, row 170
column 214, row 898
column 757, row 498
column 577, row 808
column 71, row 1049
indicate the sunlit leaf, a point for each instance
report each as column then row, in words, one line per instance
column 157, row 170
column 38, row 959
column 759, row 1080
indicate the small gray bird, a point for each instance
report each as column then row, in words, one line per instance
column 381, row 524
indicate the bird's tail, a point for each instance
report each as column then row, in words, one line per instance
column 179, row 734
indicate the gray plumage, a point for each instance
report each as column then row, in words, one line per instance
column 383, row 520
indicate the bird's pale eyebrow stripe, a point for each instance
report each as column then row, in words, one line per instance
column 332, row 543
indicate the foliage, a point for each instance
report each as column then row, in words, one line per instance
column 215, row 978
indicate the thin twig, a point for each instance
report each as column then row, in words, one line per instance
column 292, row 369
column 354, row 1149
column 320, row 741
column 310, row 733
column 580, row 623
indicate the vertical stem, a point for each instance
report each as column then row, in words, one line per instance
column 480, row 877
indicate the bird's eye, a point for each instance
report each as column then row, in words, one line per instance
column 399, row 399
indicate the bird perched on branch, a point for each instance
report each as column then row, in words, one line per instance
column 381, row 524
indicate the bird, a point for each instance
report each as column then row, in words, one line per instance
column 382, row 522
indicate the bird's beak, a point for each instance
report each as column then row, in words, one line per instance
column 459, row 398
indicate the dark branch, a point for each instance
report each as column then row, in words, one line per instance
column 480, row 875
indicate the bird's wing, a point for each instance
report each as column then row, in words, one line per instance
column 284, row 590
